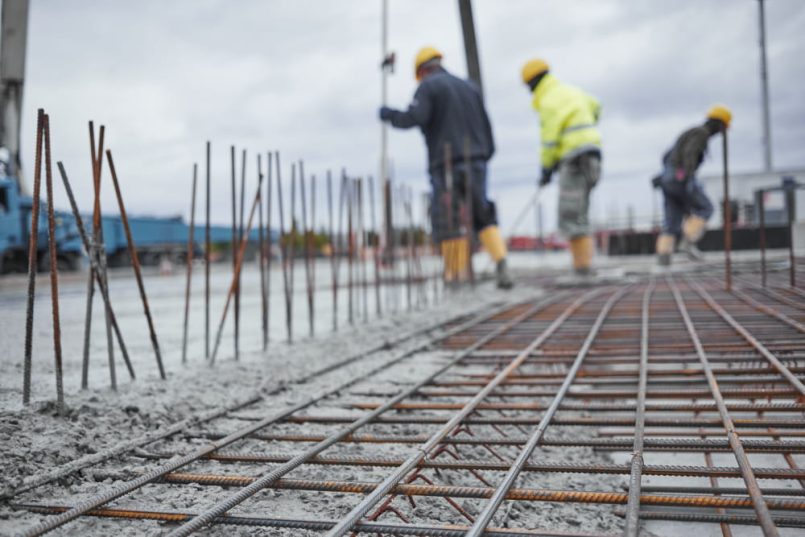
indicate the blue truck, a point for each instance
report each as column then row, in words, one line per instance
column 154, row 237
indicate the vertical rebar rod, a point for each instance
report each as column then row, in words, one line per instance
column 238, row 266
column 333, row 249
column 409, row 265
column 240, row 232
column 54, row 270
column 727, row 215
column 261, row 258
column 270, row 244
column 761, row 207
column 207, row 246
column 469, row 185
column 313, row 246
column 97, row 165
column 764, row 87
column 292, row 252
column 135, row 262
column 788, row 192
column 87, row 326
column 375, row 245
column 447, row 201
column 190, row 248
column 350, row 252
column 306, row 248
column 234, row 203
column 342, row 245
column 362, row 250
column 388, row 232
column 33, row 242
column 284, row 239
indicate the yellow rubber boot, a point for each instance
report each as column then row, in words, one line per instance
column 693, row 228
column 692, row 231
column 581, row 248
column 493, row 242
column 456, row 255
column 664, row 248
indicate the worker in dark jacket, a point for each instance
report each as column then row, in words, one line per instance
column 450, row 110
column 687, row 207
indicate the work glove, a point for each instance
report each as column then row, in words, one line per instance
column 386, row 113
column 546, row 176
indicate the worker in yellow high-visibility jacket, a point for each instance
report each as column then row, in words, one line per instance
column 571, row 144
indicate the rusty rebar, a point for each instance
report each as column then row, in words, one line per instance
column 261, row 259
column 632, row 526
column 269, row 194
column 350, row 200
column 306, row 246
column 54, row 270
column 375, row 246
column 234, row 240
column 334, row 250
column 97, row 231
column 758, row 501
column 238, row 266
column 135, row 262
column 469, row 186
column 284, row 248
column 364, row 285
column 190, row 252
column 727, row 215
column 240, row 232
column 761, row 208
column 207, row 260
column 33, row 246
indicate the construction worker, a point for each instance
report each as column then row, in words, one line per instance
column 571, row 144
column 687, row 207
column 450, row 110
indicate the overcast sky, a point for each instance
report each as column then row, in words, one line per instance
column 302, row 76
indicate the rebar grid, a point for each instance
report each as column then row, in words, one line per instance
column 672, row 377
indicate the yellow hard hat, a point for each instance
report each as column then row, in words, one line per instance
column 425, row 55
column 720, row 112
column 534, row 68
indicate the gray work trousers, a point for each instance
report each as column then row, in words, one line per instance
column 577, row 177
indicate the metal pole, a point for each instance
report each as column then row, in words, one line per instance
column 727, row 216
column 54, row 270
column 207, row 245
column 135, row 262
column 88, row 325
column 33, row 240
column 764, row 87
column 470, row 42
column 190, row 248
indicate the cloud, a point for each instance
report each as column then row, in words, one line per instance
column 303, row 77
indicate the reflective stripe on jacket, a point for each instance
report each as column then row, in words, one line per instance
column 568, row 119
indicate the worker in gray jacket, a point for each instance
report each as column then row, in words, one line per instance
column 687, row 207
column 449, row 110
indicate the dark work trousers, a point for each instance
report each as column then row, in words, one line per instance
column 682, row 198
column 446, row 206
